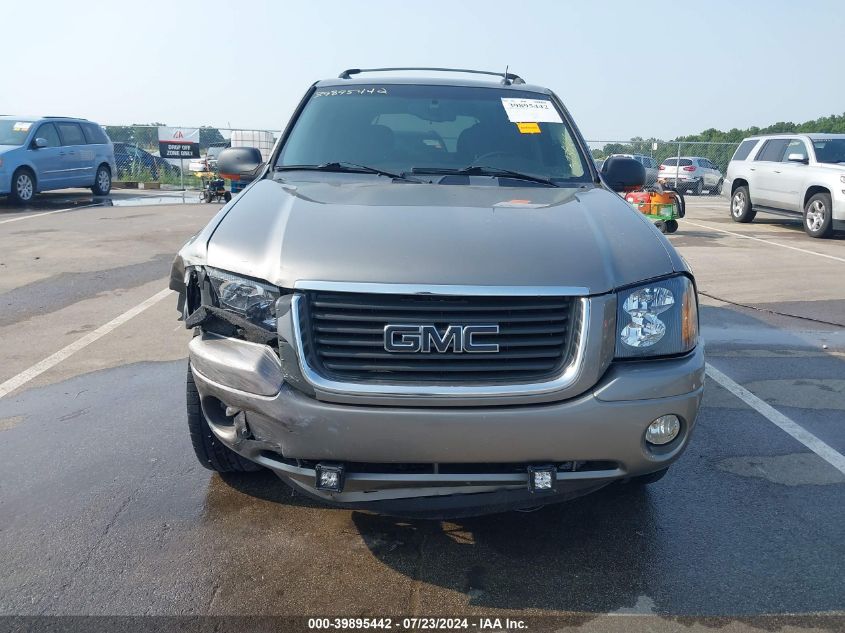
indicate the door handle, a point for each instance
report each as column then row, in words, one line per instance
column 777, row 171
column 751, row 168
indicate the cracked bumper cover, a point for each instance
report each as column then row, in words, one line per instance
column 605, row 424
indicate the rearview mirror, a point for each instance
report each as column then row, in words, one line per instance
column 240, row 163
column 623, row 173
column 798, row 158
column 40, row 143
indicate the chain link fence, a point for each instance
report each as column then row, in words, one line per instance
column 136, row 154
column 689, row 162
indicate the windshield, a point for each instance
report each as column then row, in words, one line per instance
column 14, row 132
column 402, row 128
column 830, row 150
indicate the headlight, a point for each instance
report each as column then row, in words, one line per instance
column 252, row 299
column 657, row 319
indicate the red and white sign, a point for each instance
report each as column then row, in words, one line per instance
column 179, row 142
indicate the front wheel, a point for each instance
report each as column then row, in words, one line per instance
column 210, row 452
column 23, row 187
column 102, row 181
column 671, row 226
column 818, row 221
column 227, row 196
column 741, row 209
column 717, row 190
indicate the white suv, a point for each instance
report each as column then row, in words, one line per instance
column 693, row 174
column 800, row 173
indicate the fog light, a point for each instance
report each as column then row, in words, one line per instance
column 329, row 477
column 541, row 478
column 663, row 430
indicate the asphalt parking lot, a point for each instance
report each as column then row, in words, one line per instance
column 104, row 509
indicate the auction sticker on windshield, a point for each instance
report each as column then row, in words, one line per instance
column 530, row 111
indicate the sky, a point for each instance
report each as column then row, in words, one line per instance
column 623, row 68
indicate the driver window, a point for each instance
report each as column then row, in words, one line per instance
column 48, row 132
column 796, row 146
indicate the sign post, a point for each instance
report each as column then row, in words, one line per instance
column 181, row 143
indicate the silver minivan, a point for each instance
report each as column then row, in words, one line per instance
column 40, row 154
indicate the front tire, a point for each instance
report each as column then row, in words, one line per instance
column 741, row 209
column 671, row 226
column 208, row 449
column 818, row 219
column 102, row 181
column 23, row 187
column 717, row 190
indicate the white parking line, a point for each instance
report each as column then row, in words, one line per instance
column 37, row 215
column 758, row 239
column 54, row 359
column 820, row 448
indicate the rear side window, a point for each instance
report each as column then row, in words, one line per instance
column 744, row 150
column 49, row 134
column 94, row 134
column 773, row 150
column 71, row 133
column 671, row 162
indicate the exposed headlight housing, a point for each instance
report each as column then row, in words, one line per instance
column 252, row 299
column 659, row 318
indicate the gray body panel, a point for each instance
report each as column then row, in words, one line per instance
column 436, row 234
column 339, row 232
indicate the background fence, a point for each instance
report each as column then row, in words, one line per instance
column 717, row 153
column 138, row 160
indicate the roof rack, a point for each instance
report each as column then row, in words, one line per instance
column 507, row 78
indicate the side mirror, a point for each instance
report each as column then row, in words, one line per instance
column 623, row 173
column 798, row 158
column 40, row 143
column 239, row 163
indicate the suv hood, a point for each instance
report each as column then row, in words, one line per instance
column 587, row 238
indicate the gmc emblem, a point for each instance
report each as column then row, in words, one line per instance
column 427, row 339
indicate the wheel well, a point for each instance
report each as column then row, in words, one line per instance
column 813, row 191
column 738, row 182
column 30, row 171
column 106, row 165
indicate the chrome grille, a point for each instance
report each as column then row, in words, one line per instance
column 343, row 337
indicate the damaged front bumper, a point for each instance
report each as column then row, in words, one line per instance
column 450, row 459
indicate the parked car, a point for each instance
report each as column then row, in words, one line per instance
column 134, row 163
column 44, row 153
column 450, row 328
column 798, row 173
column 646, row 161
column 693, row 174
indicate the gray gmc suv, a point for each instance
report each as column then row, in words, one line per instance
column 429, row 302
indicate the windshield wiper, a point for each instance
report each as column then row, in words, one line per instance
column 481, row 170
column 347, row 168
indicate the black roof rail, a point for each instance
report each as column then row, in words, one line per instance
column 507, row 78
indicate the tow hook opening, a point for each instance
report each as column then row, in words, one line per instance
column 225, row 416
